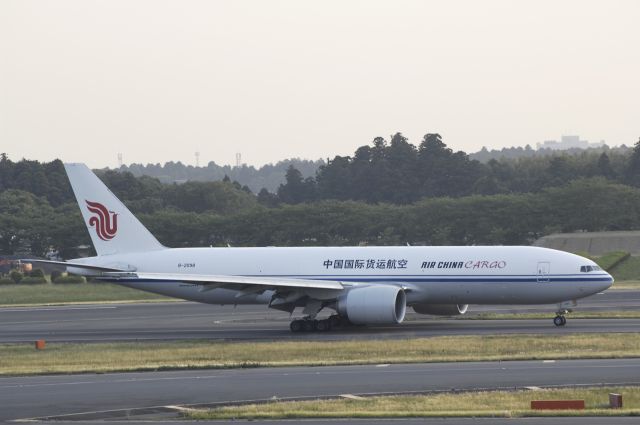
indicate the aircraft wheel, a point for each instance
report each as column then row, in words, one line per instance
column 335, row 321
column 309, row 325
column 296, row 326
column 323, row 325
column 559, row 321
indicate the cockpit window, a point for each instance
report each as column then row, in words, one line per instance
column 586, row 269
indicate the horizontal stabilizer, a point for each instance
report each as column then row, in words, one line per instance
column 87, row 267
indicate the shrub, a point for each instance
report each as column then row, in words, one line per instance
column 30, row 280
column 69, row 279
column 6, row 281
column 36, row 273
column 55, row 274
column 16, row 276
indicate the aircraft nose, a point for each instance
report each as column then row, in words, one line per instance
column 604, row 284
column 607, row 284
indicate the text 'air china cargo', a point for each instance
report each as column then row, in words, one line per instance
column 363, row 285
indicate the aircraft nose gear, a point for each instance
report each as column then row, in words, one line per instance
column 560, row 320
column 565, row 307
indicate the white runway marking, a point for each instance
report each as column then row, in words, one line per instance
column 31, row 309
column 351, row 397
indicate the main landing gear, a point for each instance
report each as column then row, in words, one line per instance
column 313, row 325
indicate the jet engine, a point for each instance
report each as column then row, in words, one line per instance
column 380, row 304
column 441, row 309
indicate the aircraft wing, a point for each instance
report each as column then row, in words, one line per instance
column 216, row 281
column 208, row 281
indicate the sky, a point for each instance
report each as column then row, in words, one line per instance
column 158, row 80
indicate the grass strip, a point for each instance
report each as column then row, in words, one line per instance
column 471, row 404
column 629, row 269
column 14, row 295
column 611, row 259
column 625, row 285
column 22, row 359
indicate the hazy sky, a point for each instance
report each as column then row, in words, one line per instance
column 159, row 80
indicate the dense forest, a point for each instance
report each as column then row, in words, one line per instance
column 391, row 192
column 270, row 176
column 401, row 173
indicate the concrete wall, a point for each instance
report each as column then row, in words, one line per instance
column 595, row 243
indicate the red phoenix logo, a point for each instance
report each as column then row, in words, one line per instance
column 105, row 221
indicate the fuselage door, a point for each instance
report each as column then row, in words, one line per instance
column 543, row 271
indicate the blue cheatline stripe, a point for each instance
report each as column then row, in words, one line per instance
column 411, row 280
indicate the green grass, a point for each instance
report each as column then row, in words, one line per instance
column 629, row 269
column 611, row 259
column 20, row 359
column 625, row 285
column 12, row 295
column 619, row 264
column 485, row 404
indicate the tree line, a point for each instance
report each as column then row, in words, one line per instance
column 269, row 176
column 593, row 204
column 402, row 173
column 395, row 172
column 387, row 193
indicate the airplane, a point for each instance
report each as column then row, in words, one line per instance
column 363, row 285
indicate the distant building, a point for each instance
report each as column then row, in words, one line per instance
column 569, row 142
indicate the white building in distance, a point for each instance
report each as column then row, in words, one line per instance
column 569, row 142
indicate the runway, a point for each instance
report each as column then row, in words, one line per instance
column 40, row 396
column 125, row 394
column 185, row 320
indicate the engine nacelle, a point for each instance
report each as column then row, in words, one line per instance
column 380, row 304
column 441, row 309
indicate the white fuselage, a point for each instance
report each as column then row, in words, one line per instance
column 434, row 275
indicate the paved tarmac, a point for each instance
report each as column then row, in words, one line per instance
column 39, row 396
column 185, row 320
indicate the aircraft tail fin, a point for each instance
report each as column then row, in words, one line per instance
column 113, row 228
